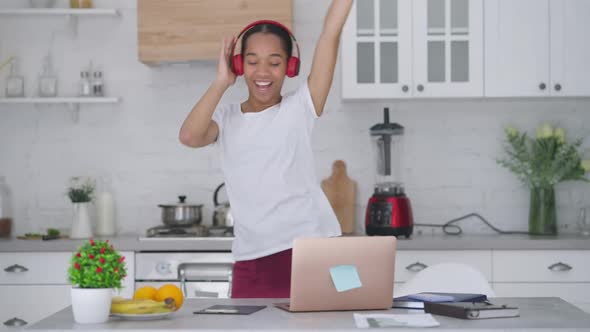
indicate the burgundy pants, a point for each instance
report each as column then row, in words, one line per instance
column 264, row 277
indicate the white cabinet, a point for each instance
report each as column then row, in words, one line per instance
column 410, row 262
column 419, row 48
column 34, row 285
column 542, row 273
column 536, row 48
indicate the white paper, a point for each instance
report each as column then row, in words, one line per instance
column 365, row 321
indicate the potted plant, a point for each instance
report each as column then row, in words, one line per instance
column 81, row 193
column 96, row 269
column 541, row 163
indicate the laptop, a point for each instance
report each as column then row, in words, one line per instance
column 313, row 287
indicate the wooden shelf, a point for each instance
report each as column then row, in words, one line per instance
column 60, row 11
column 61, row 100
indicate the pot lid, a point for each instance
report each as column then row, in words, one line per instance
column 181, row 203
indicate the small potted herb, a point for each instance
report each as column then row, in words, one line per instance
column 81, row 193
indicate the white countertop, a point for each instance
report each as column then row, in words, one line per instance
column 418, row 242
column 536, row 314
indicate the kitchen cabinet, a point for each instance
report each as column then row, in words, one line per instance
column 412, row 49
column 186, row 30
column 35, row 284
column 534, row 273
column 536, row 48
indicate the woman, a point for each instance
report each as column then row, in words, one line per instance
column 266, row 149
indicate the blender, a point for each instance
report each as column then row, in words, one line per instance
column 389, row 211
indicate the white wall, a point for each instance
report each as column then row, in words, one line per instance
column 451, row 144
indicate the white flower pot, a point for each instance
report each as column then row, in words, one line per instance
column 91, row 305
column 81, row 226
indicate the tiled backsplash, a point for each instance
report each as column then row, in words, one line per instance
column 449, row 159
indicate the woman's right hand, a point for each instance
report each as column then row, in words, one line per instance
column 224, row 72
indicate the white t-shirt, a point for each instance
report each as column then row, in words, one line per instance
column 269, row 173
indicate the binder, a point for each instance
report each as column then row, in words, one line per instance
column 416, row 301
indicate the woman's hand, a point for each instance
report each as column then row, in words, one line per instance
column 225, row 76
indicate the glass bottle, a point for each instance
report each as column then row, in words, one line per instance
column 15, row 83
column 74, row 3
column 5, row 209
column 85, row 86
column 98, row 84
column 86, row 4
column 47, row 80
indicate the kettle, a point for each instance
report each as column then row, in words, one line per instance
column 221, row 215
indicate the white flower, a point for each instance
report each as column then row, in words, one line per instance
column 560, row 135
column 544, row 131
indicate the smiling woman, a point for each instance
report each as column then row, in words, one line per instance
column 265, row 145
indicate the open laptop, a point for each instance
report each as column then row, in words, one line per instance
column 313, row 287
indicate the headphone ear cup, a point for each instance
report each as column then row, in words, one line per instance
column 237, row 65
column 293, row 66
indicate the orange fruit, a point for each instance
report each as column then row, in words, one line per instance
column 170, row 290
column 145, row 293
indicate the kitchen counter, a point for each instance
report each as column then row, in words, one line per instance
column 418, row 242
column 538, row 314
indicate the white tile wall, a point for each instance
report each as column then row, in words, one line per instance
column 451, row 144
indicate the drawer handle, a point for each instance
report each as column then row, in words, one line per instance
column 15, row 268
column 15, row 322
column 416, row 267
column 559, row 267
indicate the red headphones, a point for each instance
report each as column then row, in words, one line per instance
column 237, row 63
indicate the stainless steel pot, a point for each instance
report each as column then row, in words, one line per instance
column 182, row 213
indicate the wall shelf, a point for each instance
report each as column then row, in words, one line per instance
column 60, row 100
column 60, row 11
column 73, row 103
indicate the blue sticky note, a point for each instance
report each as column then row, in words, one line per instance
column 345, row 277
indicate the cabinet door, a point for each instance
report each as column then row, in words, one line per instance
column 570, row 50
column 516, row 48
column 448, row 52
column 409, row 262
column 31, row 303
column 377, row 50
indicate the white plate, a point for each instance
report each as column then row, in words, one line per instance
column 160, row 315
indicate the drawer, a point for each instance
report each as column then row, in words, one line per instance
column 29, row 304
column 410, row 262
column 34, row 268
column 541, row 266
column 571, row 292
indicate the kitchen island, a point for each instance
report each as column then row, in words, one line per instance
column 536, row 314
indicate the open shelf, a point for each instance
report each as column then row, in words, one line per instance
column 60, row 100
column 60, row 11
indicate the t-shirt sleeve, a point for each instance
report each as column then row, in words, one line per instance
column 303, row 97
column 218, row 117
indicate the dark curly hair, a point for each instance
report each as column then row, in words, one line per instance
column 276, row 30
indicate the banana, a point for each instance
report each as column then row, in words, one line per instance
column 128, row 306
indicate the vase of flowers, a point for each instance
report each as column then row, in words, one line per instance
column 541, row 163
column 81, row 192
column 96, row 269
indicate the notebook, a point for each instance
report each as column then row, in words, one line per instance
column 341, row 273
column 471, row 310
column 416, row 301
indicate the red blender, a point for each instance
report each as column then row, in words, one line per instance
column 389, row 211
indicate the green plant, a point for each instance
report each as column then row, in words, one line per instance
column 81, row 189
column 545, row 160
column 97, row 264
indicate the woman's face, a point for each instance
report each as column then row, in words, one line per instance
column 265, row 66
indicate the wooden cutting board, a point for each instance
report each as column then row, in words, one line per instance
column 341, row 192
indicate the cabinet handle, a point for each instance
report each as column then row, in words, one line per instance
column 230, row 279
column 416, row 267
column 15, row 268
column 420, row 87
column 182, row 275
column 405, row 88
column 557, row 87
column 559, row 267
column 15, row 322
column 542, row 86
